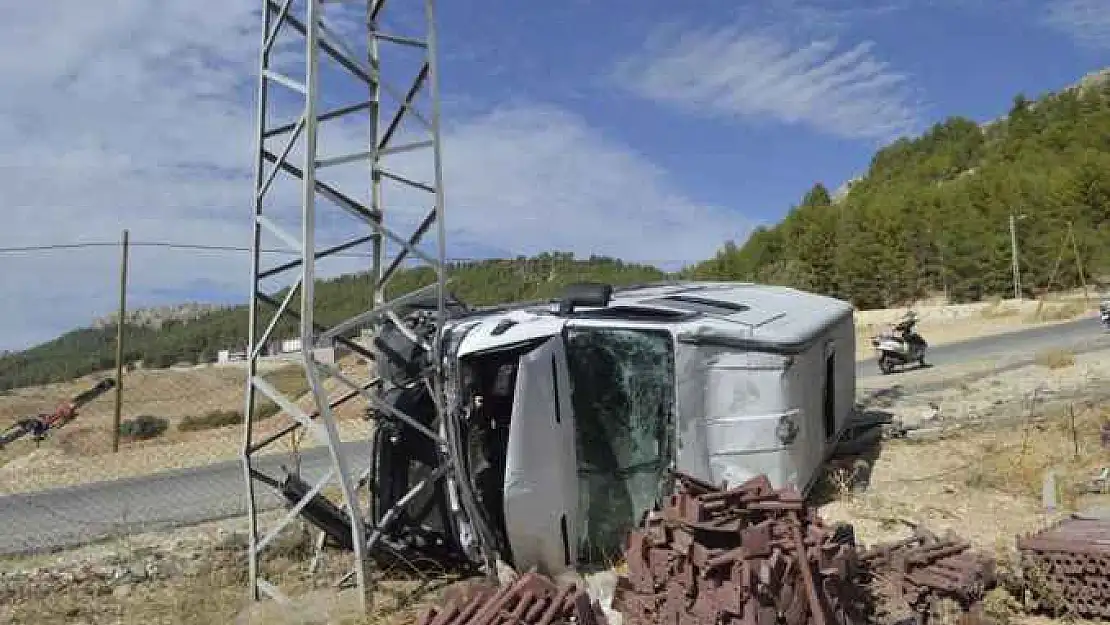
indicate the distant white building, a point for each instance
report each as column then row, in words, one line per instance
column 283, row 349
column 226, row 355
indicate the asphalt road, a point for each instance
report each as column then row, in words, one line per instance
column 66, row 517
column 1008, row 350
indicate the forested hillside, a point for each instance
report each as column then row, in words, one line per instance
column 86, row 350
column 931, row 215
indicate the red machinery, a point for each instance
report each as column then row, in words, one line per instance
column 63, row 414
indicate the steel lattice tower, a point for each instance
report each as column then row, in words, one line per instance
column 349, row 42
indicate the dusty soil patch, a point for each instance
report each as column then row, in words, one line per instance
column 976, row 391
column 983, row 482
column 52, row 468
column 1054, row 308
column 196, row 576
column 980, row 462
column 81, row 452
column 169, row 393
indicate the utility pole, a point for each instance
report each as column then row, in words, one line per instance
column 1079, row 264
column 943, row 271
column 119, row 343
column 1015, row 265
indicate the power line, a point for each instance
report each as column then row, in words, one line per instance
column 235, row 248
column 162, row 244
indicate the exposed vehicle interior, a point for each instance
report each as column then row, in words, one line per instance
column 622, row 388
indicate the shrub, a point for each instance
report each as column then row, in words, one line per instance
column 143, row 427
column 289, row 380
column 264, row 409
column 210, row 420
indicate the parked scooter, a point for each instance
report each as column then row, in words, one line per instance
column 900, row 346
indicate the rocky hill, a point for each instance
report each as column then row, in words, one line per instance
column 1093, row 80
column 156, row 317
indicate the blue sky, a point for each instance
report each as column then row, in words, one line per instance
column 952, row 57
column 647, row 130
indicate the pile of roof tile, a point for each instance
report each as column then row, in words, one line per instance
column 1067, row 566
column 924, row 570
column 749, row 554
column 531, row 600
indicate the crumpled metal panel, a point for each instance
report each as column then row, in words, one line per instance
column 541, row 481
column 743, row 413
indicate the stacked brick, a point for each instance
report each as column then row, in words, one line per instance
column 750, row 554
column 924, row 570
column 530, row 600
column 1067, row 567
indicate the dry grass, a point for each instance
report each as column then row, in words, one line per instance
column 1016, row 461
column 1000, row 607
column 208, row 598
column 218, row 593
column 1043, row 311
column 210, row 420
column 52, row 467
column 985, row 484
column 1055, row 358
column 81, row 452
column 1047, row 311
column 997, row 309
column 169, row 393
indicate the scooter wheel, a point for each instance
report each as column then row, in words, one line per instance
column 885, row 365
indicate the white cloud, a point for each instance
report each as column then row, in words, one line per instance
column 762, row 75
column 833, row 15
column 1086, row 21
column 559, row 184
column 128, row 114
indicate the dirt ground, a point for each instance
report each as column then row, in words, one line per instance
column 81, row 451
column 198, row 576
column 978, row 462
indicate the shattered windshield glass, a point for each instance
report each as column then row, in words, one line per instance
column 623, row 390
